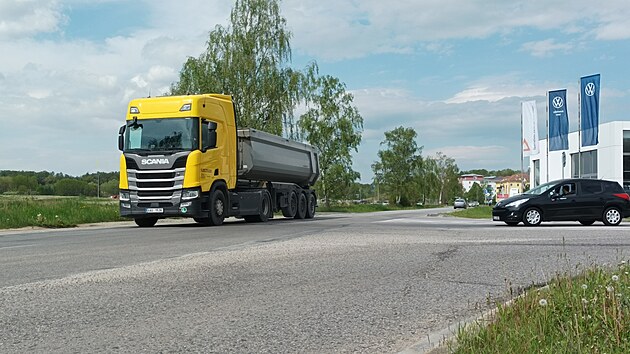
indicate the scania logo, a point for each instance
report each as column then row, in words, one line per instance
column 154, row 161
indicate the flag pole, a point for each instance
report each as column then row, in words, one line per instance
column 579, row 171
column 548, row 135
column 522, row 172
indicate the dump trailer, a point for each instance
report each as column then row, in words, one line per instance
column 183, row 156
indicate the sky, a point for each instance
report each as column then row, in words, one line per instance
column 456, row 71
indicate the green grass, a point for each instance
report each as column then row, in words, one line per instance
column 479, row 212
column 589, row 313
column 17, row 212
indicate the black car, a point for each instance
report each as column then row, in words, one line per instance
column 583, row 200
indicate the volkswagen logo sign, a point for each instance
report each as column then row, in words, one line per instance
column 557, row 102
column 589, row 90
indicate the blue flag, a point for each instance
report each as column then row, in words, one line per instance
column 558, row 121
column 589, row 96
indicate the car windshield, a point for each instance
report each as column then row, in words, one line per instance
column 163, row 135
column 541, row 189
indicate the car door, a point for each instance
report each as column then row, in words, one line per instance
column 591, row 199
column 562, row 203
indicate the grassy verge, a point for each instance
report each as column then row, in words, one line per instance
column 55, row 212
column 589, row 313
column 480, row 212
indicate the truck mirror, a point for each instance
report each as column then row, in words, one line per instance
column 121, row 138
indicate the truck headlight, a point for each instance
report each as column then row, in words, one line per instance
column 124, row 195
column 188, row 194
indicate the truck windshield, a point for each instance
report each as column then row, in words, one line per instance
column 162, row 135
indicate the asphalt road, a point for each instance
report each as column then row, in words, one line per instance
column 370, row 283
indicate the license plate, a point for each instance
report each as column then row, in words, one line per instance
column 496, row 218
column 155, row 210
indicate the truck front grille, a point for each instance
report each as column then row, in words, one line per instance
column 156, row 185
column 165, row 184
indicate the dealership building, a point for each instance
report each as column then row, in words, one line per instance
column 609, row 159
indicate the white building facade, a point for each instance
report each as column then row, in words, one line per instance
column 468, row 180
column 609, row 159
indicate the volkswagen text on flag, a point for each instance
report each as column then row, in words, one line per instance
column 529, row 128
column 589, row 117
column 558, row 120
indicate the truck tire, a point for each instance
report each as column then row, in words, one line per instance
column 302, row 207
column 310, row 205
column 217, row 207
column 145, row 222
column 263, row 211
column 291, row 209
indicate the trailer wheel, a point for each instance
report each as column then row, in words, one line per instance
column 310, row 205
column 291, row 209
column 217, row 207
column 302, row 207
column 145, row 222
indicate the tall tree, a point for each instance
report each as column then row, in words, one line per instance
column 448, row 178
column 398, row 161
column 333, row 124
column 248, row 59
column 426, row 181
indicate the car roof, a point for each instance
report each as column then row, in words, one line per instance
column 581, row 180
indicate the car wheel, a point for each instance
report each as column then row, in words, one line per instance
column 511, row 223
column 532, row 217
column 612, row 216
column 587, row 222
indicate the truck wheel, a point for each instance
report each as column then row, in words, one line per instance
column 145, row 222
column 310, row 206
column 291, row 209
column 301, row 209
column 263, row 209
column 217, row 207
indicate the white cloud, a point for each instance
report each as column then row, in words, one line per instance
column 496, row 88
column 546, row 47
column 332, row 30
column 24, row 18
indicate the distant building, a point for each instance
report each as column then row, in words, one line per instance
column 512, row 185
column 487, row 183
column 468, row 180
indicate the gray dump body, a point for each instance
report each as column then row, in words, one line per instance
column 267, row 157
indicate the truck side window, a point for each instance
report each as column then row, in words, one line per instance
column 208, row 135
column 205, row 138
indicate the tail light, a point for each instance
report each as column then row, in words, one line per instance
column 622, row 196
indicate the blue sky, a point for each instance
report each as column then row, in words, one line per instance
column 454, row 70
